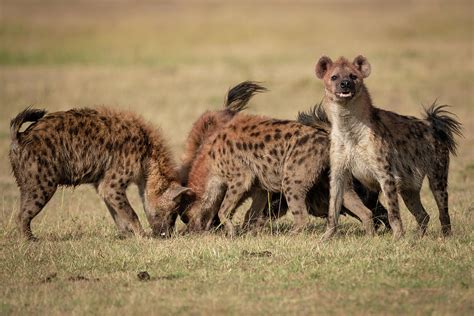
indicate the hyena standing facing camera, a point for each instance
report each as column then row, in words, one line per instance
column 106, row 148
column 384, row 150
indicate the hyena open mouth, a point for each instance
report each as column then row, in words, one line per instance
column 345, row 94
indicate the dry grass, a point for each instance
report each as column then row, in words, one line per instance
column 169, row 61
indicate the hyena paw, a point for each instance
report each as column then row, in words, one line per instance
column 328, row 234
column 298, row 229
column 397, row 235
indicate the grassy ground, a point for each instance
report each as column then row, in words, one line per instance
column 169, row 61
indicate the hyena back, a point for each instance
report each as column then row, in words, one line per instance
column 386, row 151
column 106, row 148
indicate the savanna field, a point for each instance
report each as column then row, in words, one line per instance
column 170, row 61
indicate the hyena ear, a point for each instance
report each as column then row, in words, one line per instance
column 176, row 192
column 322, row 66
column 362, row 64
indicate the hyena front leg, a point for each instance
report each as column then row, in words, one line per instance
column 439, row 187
column 296, row 199
column 389, row 189
column 254, row 217
column 32, row 202
column 210, row 207
column 115, row 198
column 413, row 202
column 236, row 188
column 354, row 204
column 339, row 179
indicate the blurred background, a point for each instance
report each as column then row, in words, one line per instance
column 171, row 60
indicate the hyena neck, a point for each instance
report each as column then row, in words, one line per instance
column 353, row 119
column 160, row 170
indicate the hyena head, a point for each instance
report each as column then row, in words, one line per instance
column 163, row 210
column 343, row 81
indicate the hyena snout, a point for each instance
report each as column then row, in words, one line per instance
column 163, row 212
column 163, row 227
column 347, row 85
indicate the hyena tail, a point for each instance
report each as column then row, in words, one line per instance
column 238, row 97
column 314, row 117
column 445, row 125
column 27, row 115
column 236, row 101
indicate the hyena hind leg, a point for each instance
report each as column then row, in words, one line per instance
column 439, row 188
column 353, row 203
column 389, row 189
column 32, row 202
column 413, row 202
column 119, row 207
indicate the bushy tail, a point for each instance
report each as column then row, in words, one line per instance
column 315, row 117
column 240, row 95
column 445, row 125
column 27, row 115
column 208, row 123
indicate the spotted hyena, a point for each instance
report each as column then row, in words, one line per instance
column 194, row 170
column 103, row 147
column 385, row 151
column 268, row 154
column 251, row 155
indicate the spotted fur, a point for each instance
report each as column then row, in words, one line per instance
column 256, row 148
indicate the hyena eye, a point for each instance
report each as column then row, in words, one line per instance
column 353, row 77
column 333, row 78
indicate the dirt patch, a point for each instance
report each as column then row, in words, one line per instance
column 79, row 277
column 143, row 276
column 49, row 278
column 264, row 253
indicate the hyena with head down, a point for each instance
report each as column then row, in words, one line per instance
column 253, row 152
column 106, row 148
column 385, row 151
column 195, row 171
column 251, row 155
